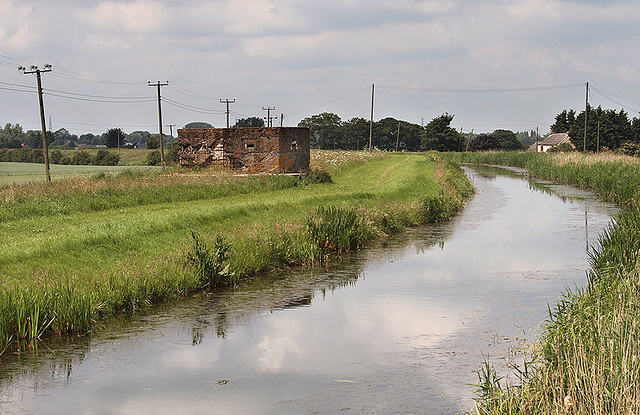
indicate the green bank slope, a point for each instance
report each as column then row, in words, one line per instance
column 77, row 250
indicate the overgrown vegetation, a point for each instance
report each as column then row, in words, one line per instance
column 76, row 250
column 586, row 361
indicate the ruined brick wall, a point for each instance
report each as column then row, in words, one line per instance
column 271, row 150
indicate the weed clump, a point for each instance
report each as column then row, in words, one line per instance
column 316, row 176
column 338, row 229
column 211, row 263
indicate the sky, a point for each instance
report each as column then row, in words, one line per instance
column 511, row 64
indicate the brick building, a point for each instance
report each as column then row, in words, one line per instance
column 251, row 149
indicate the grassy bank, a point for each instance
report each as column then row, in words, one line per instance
column 77, row 250
column 587, row 361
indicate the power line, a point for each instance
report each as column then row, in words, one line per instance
column 613, row 100
column 192, row 108
column 480, row 90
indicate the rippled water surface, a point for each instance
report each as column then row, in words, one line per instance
column 396, row 329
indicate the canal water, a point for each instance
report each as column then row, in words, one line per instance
column 399, row 328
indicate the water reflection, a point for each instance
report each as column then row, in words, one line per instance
column 398, row 328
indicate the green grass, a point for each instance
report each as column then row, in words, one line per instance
column 587, row 360
column 76, row 250
column 19, row 173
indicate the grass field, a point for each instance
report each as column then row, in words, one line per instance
column 75, row 250
column 18, row 173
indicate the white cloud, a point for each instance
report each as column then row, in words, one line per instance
column 295, row 54
column 15, row 31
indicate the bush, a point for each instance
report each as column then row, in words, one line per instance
column 153, row 159
column 629, row 148
column 106, row 158
column 81, row 158
column 562, row 148
column 172, row 155
column 55, row 156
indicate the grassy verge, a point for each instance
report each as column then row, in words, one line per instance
column 77, row 250
column 587, row 359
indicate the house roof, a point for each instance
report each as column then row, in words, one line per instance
column 554, row 139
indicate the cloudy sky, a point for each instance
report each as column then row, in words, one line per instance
column 510, row 64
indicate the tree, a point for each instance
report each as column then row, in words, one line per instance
column 440, row 136
column 635, row 130
column 90, row 139
column 410, row 136
column 63, row 136
column 114, row 137
column 198, row 124
column 385, row 132
column 564, row 121
column 615, row 128
column 138, row 138
column 508, row 140
column 249, row 122
column 355, row 133
column 33, row 139
column 526, row 138
column 484, row 142
column 153, row 142
column 325, row 130
column 12, row 136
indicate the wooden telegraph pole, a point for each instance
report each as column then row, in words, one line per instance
column 228, row 101
column 269, row 117
column 158, row 85
column 586, row 111
column 371, row 119
column 33, row 69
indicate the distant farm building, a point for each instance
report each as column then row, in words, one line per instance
column 553, row 140
column 250, row 149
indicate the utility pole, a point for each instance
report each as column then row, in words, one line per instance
column 33, row 69
column 398, row 138
column 371, row 119
column 158, row 85
column 269, row 118
column 537, row 138
column 281, row 119
column 228, row 101
column 171, row 130
column 598, row 142
column 586, row 111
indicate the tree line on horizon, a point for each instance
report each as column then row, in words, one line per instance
column 606, row 129
column 328, row 131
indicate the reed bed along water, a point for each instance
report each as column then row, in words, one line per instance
column 81, row 249
column 587, row 360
